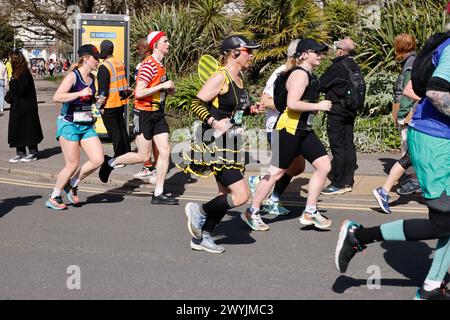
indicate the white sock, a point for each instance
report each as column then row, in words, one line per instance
column 430, row 285
column 55, row 193
column 74, row 181
column 158, row 191
column 311, row 209
column 112, row 162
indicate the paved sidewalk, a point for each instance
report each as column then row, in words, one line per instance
column 371, row 171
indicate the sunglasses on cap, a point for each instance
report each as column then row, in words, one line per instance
column 248, row 50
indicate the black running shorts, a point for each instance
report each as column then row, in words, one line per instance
column 227, row 177
column 150, row 123
column 286, row 147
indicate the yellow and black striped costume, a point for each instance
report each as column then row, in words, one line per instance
column 209, row 155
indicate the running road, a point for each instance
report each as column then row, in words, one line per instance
column 126, row 248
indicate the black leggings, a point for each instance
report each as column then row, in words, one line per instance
column 438, row 224
column 22, row 150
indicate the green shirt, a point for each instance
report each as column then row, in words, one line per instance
column 406, row 103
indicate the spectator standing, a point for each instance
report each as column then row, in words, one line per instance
column 335, row 82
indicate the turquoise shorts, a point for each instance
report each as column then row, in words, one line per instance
column 431, row 159
column 72, row 131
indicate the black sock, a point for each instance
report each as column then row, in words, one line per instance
column 281, row 185
column 215, row 211
column 369, row 235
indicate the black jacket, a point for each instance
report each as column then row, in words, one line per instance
column 334, row 82
column 24, row 127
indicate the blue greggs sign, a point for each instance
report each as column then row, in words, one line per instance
column 103, row 35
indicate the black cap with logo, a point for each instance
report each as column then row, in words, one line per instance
column 234, row 42
column 89, row 49
column 310, row 44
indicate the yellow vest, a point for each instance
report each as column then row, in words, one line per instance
column 117, row 82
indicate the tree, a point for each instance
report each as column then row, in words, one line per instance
column 274, row 23
column 7, row 40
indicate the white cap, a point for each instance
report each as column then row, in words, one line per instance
column 153, row 37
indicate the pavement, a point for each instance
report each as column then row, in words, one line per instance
column 372, row 168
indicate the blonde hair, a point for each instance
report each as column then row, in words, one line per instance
column 223, row 59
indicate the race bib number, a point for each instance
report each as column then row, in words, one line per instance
column 83, row 117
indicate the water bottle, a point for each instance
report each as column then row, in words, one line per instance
column 100, row 96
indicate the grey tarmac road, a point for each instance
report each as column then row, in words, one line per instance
column 126, row 248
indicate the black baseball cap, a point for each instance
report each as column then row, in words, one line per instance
column 89, row 49
column 310, row 44
column 106, row 49
column 234, row 42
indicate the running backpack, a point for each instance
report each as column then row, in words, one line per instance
column 355, row 94
column 423, row 66
column 279, row 91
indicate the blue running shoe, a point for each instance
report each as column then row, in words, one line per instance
column 347, row 245
column 206, row 243
column 383, row 201
column 271, row 207
column 196, row 219
column 72, row 194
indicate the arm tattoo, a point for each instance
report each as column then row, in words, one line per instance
column 441, row 100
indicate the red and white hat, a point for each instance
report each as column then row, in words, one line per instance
column 153, row 37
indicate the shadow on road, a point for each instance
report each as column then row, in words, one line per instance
column 117, row 194
column 411, row 259
column 387, row 164
column 6, row 205
column 48, row 153
column 233, row 231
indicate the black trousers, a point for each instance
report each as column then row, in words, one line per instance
column 115, row 125
column 340, row 134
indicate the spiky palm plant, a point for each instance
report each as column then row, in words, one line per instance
column 421, row 18
column 274, row 23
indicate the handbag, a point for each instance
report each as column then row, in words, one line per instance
column 9, row 97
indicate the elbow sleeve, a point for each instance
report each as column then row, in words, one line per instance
column 200, row 109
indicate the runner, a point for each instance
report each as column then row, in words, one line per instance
column 149, row 119
column 297, row 93
column 272, row 205
column 75, row 128
column 429, row 147
column 219, row 104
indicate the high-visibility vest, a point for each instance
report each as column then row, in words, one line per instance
column 117, row 82
column 155, row 101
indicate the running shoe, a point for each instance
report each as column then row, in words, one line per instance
column 164, row 198
column 105, row 170
column 331, row 190
column 29, row 158
column 348, row 188
column 271, row 207
column 347, row 245
column 441, row 293
column 55, row 203
column 254, row 221
column 383, row 201
column 317, row 219
column 196, row 219
column 253, row 183
column 206, row 243
column 72, row 194
column 144, row 173
column 409, row 188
